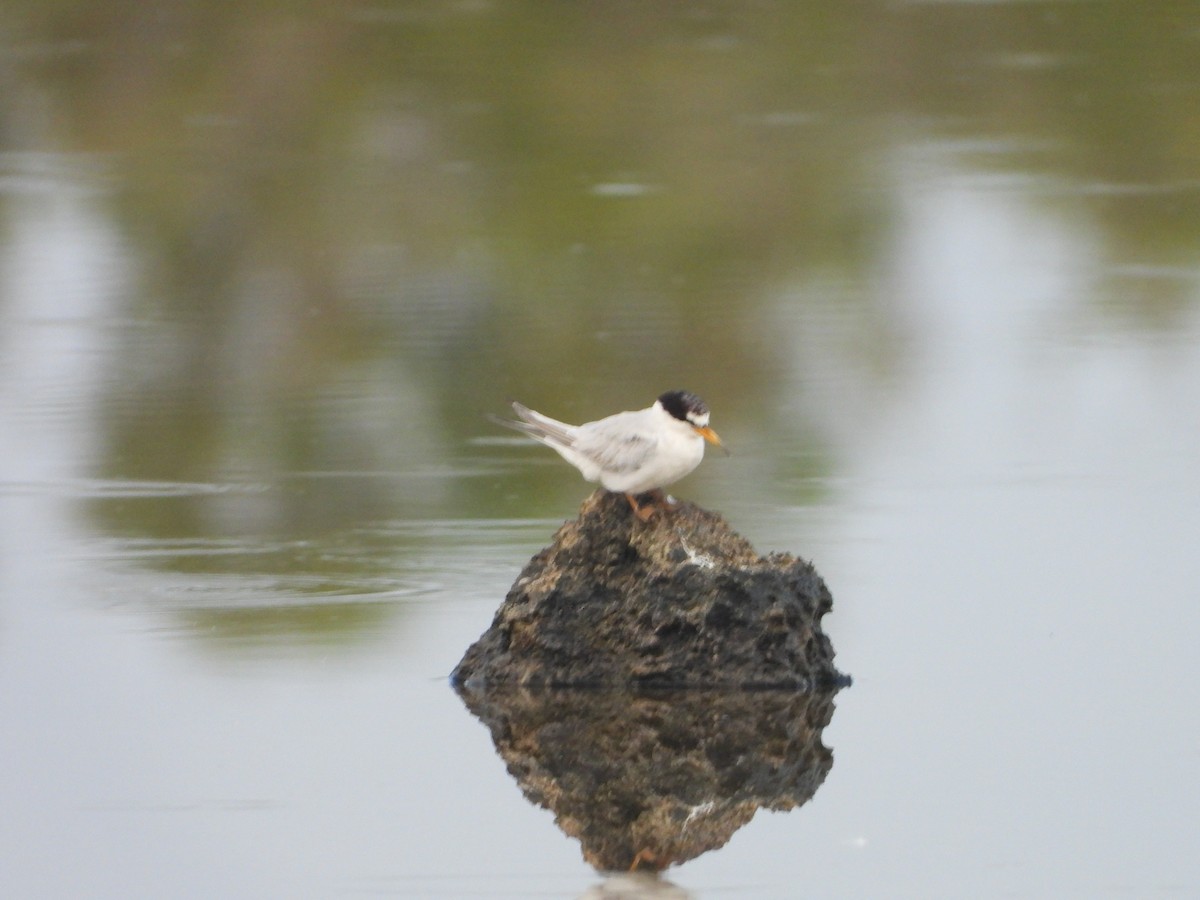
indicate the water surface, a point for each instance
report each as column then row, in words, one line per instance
column 935, row 268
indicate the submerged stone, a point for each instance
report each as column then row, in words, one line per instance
column 681, row 601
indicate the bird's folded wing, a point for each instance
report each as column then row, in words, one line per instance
column 616, row 453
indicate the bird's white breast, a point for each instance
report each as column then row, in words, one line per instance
column 679, row 450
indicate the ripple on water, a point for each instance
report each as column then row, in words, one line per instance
column 339, row 588
column 109, row 488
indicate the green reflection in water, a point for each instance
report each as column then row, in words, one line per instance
column 319, row 625
column 353, row 230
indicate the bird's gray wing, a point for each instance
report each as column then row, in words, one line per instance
column 614, row 444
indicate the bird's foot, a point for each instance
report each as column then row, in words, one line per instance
column 653, row 500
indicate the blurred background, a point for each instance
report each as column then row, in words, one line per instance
column 264, row 268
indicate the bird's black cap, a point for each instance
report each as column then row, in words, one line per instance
column 683, row 405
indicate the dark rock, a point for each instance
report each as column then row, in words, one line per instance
column 679, row 601
column 648, row 780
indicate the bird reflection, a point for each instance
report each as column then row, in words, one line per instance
column 649, row 780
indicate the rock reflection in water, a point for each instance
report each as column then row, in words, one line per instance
column 647, row 780
column 635, row 886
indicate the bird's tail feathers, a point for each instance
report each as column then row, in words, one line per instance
column 537, row 426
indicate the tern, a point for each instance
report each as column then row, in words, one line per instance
column 633, row 452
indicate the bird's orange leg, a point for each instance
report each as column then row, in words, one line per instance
column 643, row 513
column 646, row 513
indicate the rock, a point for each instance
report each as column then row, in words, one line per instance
column 651, row 779
column 679, row 601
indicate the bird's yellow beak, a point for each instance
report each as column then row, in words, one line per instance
column 712, row 437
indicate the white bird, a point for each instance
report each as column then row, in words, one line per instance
column 632, row 452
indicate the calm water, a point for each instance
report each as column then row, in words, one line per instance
column 935, row 267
